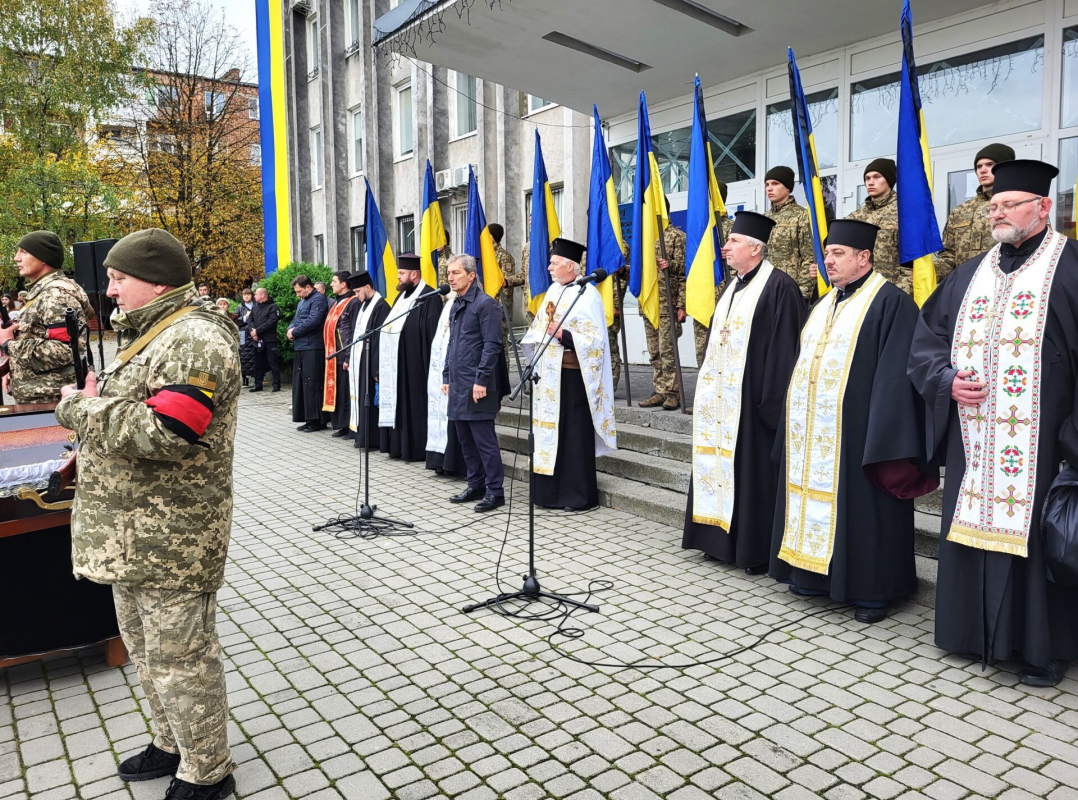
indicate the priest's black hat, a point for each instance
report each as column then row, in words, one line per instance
column 749, row 223
column 358, row 279
column 567, row 248
column 409, row 261
column 852, row 233
column 1024, row 175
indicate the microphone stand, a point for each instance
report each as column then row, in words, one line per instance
column 531, row 590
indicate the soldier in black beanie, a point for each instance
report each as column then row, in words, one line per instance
column 790, row 248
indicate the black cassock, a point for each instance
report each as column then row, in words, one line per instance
column 450, row 462
column 376, row 319
column 342, row 335
column 408, row 440
column 994, row 605
column 882, row 445
column 772, row 354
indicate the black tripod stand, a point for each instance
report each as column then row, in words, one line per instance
column 532, row 590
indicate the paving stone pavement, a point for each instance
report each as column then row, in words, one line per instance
column 353, row 674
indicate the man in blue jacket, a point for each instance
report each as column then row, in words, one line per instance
column 308, row 368
column 475, row 378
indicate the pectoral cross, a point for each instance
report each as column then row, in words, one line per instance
column 724, row 335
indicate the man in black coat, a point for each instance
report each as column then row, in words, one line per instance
column 308, row 367
column 470, row 380
column 262, row 325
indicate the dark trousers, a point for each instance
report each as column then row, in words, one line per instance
column 482, row 456
column 266, row 359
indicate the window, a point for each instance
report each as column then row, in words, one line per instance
column 215, row 103
column 1066, row 212
column 460, row 222
column 537, row 104
column 823, row 114
column 555, row 195
column 1069, row 117
column 359, row 248
column 403, row 118
column 314, row 50
column 166, row 96
column 406, row 234
column 357, row 141
column 252, row 108
column 166, row 143
column 462, row 100
column 317, row 159
column 394, row 3
column 981, row 95
column 256, row 155
column 319, row 249
column 354, row 31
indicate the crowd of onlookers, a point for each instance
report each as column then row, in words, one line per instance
column 256, row 316
column 13, row 303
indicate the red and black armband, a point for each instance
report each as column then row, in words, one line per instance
column 58, row 333
column 183, row 410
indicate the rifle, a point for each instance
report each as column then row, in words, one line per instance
column 5, row 323
column 74, row 331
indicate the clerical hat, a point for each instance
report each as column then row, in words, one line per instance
column 852, row 233
column 409, row 261
column 358, row 279
column 749, row 223
column 566, row 248
column 1024, row 175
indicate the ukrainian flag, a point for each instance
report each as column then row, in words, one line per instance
column 918, row 231
column 809, row 171
column 381, row 265
column 604, row 225
column 650, row 219
column 479, row 244
column 703, row 262
column 272, row 135
column 431, row 231
column 544, row 230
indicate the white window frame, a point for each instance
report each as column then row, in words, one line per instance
column 460, row 222
column 534, row 109
column 252, row 107
column 256, row 155
column 400, row 233
column 318, row 159
column 398, row 126
column 319, row 248
column 454, row 101
column 215, row 103
column 353, row 35
column 314, row 48
column 356, row 158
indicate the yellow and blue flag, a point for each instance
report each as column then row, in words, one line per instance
column 703, row 261
column 431, row 231
column 544, row 230
column 381, row 265
column 604, row 225
column 918, row 231
column 809, row 171
column 650, row 219
column 273, row 139
column 479, row 243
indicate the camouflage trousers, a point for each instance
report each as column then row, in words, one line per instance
column 699, row 332
column 171, row 637
column 613, row 332
column 661, row 350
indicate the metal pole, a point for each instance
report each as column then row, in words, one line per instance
column 673, row 318
column 624, row 343
column 509, row 329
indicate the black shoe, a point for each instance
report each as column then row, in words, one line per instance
column 182, row 790
column 1044, row 677
column 468, row 495
column 760, row 570
column 490, row 502
column 313, row 428
column 870, row 616
column 153, row 762
column 276, row 389
column 255, row 389
column 343, row 433
column 305, row 428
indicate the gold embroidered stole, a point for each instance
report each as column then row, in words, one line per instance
column 814, row 426
column 998, row 336
column 717, row 408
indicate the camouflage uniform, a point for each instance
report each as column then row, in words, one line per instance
column 513, row 279
column 41, row 364
column 699, row 329
column 153, row 512
column 968, row 233
column 790, row 247
column 660, row 344
column 443, row 266
column 884, row 215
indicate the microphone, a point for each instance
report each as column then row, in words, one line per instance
column 595, row 277
column 441, row 291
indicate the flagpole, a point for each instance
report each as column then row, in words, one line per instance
column 625, row 341
column 673, row 318
column 509, row 330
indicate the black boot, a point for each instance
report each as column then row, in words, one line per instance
column 182, row 790
column 153, row 762
column 1044, row 677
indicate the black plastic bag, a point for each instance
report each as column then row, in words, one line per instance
column 1059, row 526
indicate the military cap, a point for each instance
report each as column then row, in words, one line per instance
column 44, row 245
column 152, row 255
column 724, row 190
column 852, row 233
column 783, row 175
column 496, row 231
column 757, row 226
column 1024, row 175
column 566, row 248
column 886, row 167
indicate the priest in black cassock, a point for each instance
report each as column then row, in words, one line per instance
column 336, row 334
column 751, row 350
column 574, row 399
column 404, row 359
column 850, row 442
column 995, row 357
column 371, row 312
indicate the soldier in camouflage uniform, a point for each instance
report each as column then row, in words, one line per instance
column 40, row 358
column 513, row 279
column 790, row 248
column 443, row 262
column 153, row 504
column 881, row 209
column 660, row 342
column 698, row 328
column 968, row 232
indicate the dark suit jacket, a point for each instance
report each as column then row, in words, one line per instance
column 307, row 324
column 475, row 350
column 263, row 320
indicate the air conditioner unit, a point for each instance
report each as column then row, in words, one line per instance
column 302, row 6
column 460, row 176
column 443, row 180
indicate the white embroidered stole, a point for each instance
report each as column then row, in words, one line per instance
column 814, row 426
column 998, row 336
column 355, row 376
column 438, row 403
column 717, row 408
column 389, row 356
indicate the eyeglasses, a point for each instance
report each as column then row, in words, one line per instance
column 1007, row 208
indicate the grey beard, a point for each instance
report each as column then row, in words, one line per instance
column 1013, row 234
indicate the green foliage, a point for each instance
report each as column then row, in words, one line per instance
column 279, row 286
